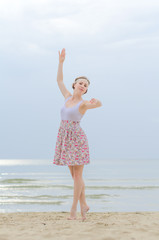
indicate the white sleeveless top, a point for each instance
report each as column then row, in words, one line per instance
column 71, row 113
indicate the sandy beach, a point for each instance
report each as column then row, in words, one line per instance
column 104, row 226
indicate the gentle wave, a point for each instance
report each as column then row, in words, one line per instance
column 42, row 197
column 29, row 183
column 31, row 202
column 17, row 180
column 23, row 180
column 71, row 187
column 36, row 186
column 46, row 199
column 123, row 187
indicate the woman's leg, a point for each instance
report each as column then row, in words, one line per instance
column 79, row 191
column 78, row 184
column 77, row 170
column 82, row 196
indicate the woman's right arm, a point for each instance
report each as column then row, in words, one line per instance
column 61, row 85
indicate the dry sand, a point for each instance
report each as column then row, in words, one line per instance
column 103, row 226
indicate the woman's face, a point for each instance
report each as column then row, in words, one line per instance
column 81, row 85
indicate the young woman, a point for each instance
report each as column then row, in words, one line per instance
column 72, row 147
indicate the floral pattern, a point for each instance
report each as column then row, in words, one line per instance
column 71, row 145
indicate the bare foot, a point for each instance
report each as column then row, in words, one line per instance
column 69, row 218
column 72, row 215
column 84, row 210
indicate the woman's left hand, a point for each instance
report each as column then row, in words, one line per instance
column 93, row 100
column 93, row 103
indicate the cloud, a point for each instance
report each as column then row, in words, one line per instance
column 40, row 25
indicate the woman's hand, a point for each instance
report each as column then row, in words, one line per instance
column 62, row 55
column 93, row 103
column 93, row 100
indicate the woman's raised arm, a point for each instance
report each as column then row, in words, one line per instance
column 61, row 85
column 93, row 103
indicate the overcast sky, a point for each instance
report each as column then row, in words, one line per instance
column 114, row 43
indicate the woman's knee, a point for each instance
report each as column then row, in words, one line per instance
column 77, row 176
column 77, row 172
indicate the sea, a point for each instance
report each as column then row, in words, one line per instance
column 32, row 185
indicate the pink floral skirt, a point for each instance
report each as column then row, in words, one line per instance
column 71, row 145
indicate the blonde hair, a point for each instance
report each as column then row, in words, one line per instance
column 81, row 77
